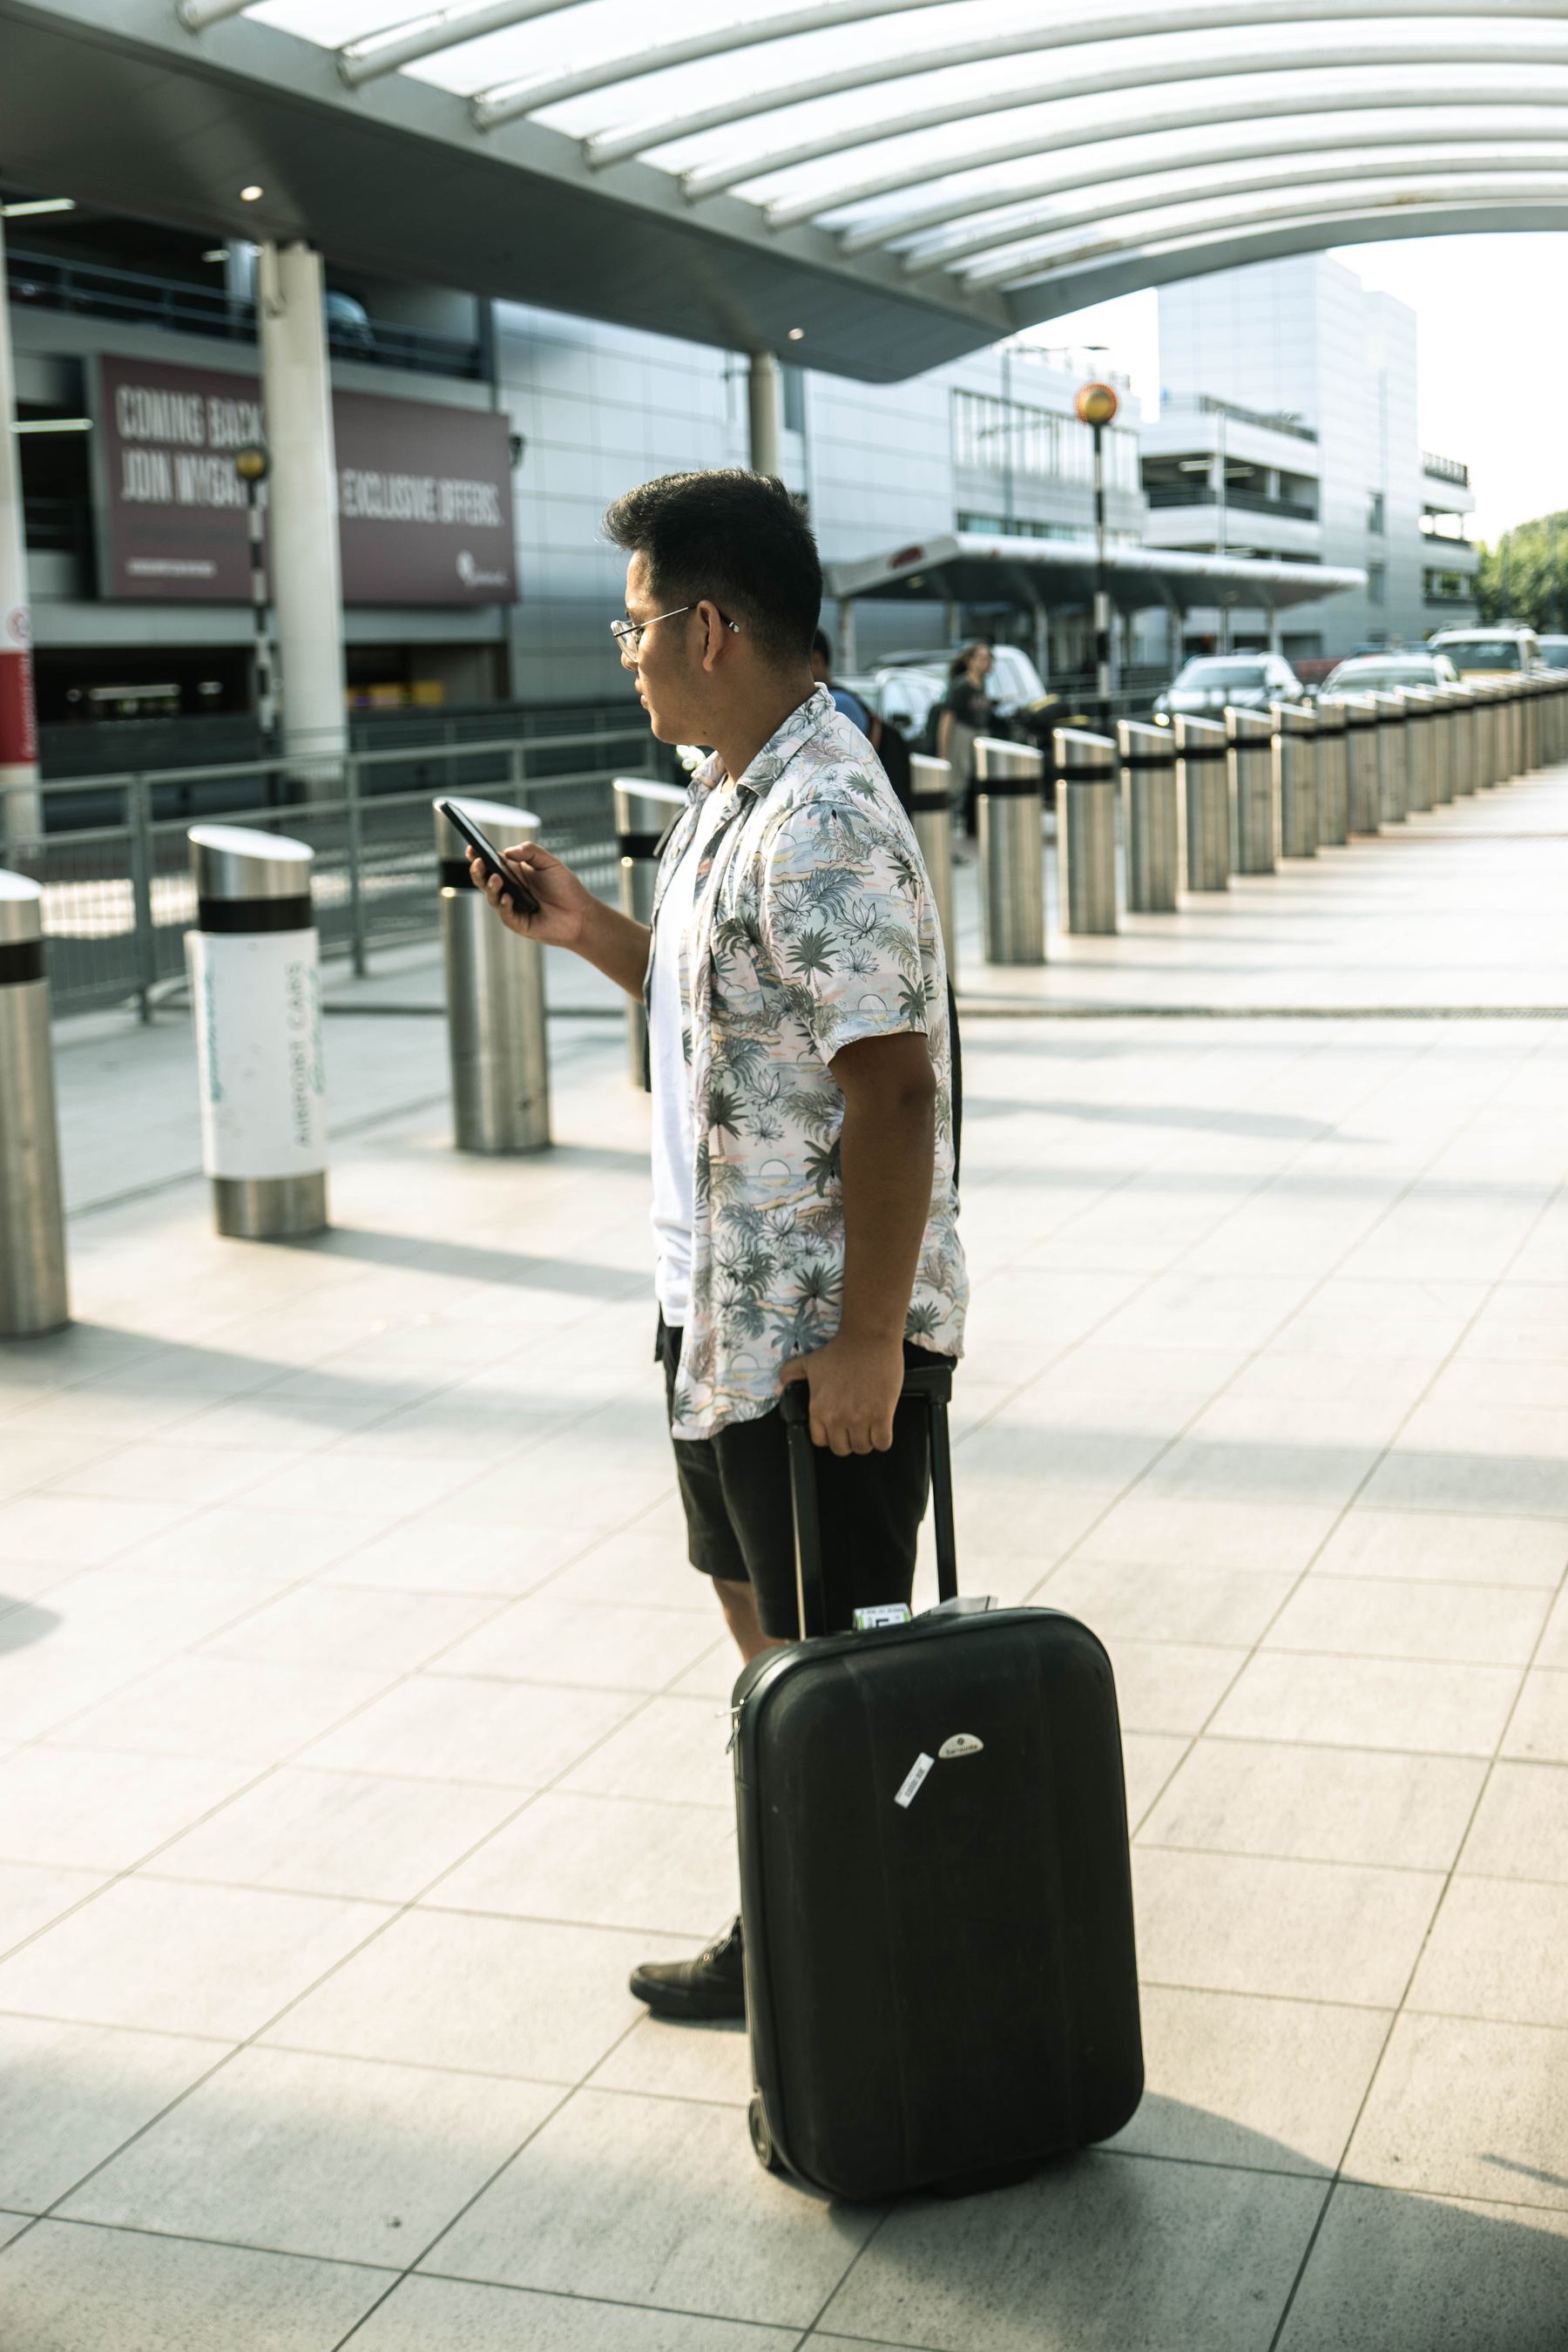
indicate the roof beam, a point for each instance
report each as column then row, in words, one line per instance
column 919, row 173
column 716, row 179
column 892, row 229
column 1135, row 271
column 979, row 249
column 1424, row 203
column 197, row 15
column 372, row 55
column 506, row 101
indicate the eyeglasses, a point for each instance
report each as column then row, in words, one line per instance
column 627, row 635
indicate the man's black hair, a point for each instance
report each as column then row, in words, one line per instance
column 736, row 538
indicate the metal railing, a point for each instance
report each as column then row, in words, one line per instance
column 1171, row 494
column 95, row 290
column 118, row 894
column 1206, row 404
column 1446, row 469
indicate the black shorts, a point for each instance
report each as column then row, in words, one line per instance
column 739, row 1527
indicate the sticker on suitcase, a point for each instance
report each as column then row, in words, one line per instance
column 914, row 1781
column 962, row 1743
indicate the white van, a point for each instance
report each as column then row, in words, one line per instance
column 1503, row 651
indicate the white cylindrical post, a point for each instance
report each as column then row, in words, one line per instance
column 256, row 994
column 302, row 499
column 33, row 1297
column 21, row 804
column 763, row 384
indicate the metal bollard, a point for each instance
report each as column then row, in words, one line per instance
column 644, row 812
column 1333, row 738
column 1420, row 748
column 1444, row 743
column 1253, row 826
column 254, row 960
column 1493, row 738
column 930, row 813
column 497, row 1041
column 1392, row 759
column 1512, row 701
column 1203, row 779
column 1086, row 830
column 1465, row 740
column 1296, row 778
column 1532, row 716
column 33, row 1292
column 1362, row 794
column 1151, row 797
column 1010, row 804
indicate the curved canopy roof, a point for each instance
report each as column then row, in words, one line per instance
column 1021, row 145
column 969, row 166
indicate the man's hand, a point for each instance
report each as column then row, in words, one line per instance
column 855, row 1385
column 569, row 916
column 564, row 904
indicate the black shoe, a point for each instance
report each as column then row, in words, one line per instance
column 713, row 1985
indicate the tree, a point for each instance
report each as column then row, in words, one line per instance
column 1525, row 576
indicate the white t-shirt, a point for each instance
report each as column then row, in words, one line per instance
column 674, row 1139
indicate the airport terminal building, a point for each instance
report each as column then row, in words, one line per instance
column 478, row 443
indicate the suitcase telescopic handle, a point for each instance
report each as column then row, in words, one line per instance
column 933, row 1382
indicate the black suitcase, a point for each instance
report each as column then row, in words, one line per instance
column 941, row 1987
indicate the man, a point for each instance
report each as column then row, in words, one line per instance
column 803, row 1197
column 844, row 699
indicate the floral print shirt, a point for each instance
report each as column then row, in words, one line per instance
column 813, row 927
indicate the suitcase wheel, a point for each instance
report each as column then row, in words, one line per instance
column 761, row 2137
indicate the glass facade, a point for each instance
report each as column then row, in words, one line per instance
column 1000, row 437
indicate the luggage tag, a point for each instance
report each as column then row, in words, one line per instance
column 884, row 1612
column 963, row 1604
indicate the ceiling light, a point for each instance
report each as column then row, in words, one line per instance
column 215, row 252
column 53, row 424
column 251, row 195
column 795, row 333
column 39, row 205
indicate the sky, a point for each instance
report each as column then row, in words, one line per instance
column 1491, row 355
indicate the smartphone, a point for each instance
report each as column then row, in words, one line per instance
column 489, row 858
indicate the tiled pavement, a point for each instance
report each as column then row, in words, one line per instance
column 360, row 1723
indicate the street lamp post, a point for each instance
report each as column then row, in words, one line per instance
column 1096, row 406
column 250, row 463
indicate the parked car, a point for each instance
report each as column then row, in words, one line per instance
column 908, row 689
column 1205, row 685
column 1552, row 652
column 1385, row 673
column 1500, row 652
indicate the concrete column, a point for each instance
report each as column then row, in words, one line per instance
column 1273, row 645
column 763, row 401
column 302, row 501
column 1043, row 642
column 844, row 648
column 21, row 813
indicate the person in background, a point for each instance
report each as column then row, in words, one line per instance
column 850, row 704
column 967, row 711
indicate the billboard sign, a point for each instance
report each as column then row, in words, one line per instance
column 425, row 505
